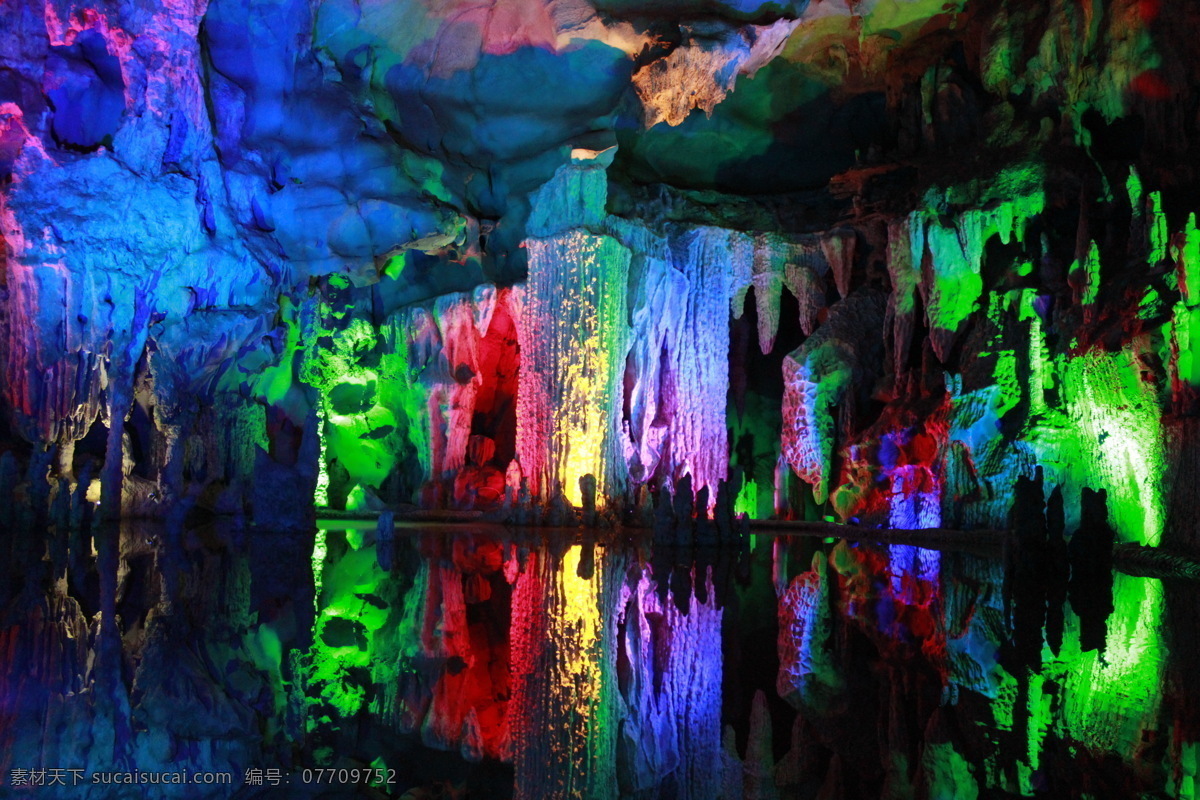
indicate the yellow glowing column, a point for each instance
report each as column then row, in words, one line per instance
column 562, row 713
column 573, row 329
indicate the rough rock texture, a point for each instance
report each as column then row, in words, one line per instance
column 445, row 252
column 139, row 692
column 827, row 370
column 670, row 697
column 898, row 263
column 572, row 326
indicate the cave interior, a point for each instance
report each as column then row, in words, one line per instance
column 598, row 399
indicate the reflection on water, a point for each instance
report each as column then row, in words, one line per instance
column 488, row 663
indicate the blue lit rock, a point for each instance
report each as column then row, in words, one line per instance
column 86, row 92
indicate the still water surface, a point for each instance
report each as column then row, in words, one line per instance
column 450, row 661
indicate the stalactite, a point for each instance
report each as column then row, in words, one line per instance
column 46, row 661
column 677, row 407
column 402, row 259
column 818, row 376
column 951, row 283
column 759, row 780
column 573, row 329
column 54, row 388
column 838, row 247
column 805, row 667
column 453, row 402
column 670, row 703
column 563, row 658
column 768, row 276
column 125, row 357
column 905, row 278
column 1185, row 367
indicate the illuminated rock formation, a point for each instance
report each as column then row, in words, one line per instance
column 619, row 265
